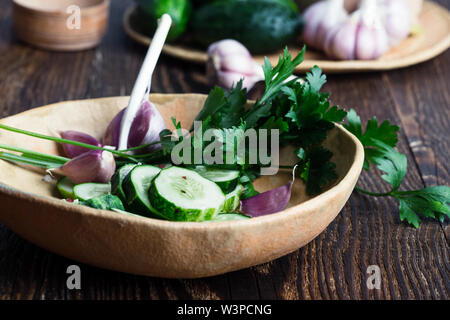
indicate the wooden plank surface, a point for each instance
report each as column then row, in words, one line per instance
column 414, row 263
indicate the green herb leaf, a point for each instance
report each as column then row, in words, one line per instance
column 393, row 163
column 430, row 202
column 385, row 132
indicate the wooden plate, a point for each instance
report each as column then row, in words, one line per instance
column 432, row 41
column 138, row 245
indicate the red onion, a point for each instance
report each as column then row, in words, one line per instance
column 73, row 151
column 145, row 128
column 91, row 166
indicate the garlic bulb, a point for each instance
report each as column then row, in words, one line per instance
column 360, row 37
column 228, row 62
column 320, row 18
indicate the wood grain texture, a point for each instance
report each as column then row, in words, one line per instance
column 414, row 263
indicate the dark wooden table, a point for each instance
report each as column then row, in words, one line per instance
column 414, row 263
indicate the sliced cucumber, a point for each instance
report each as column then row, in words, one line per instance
column 136, row 187
column 104, row 202
column 232, row 199
column 229, row 217
column 117, row 180
column 65, row 188
column 86, row 191
column 184, row 195
column 225, row 179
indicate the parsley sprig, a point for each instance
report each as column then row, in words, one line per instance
column 379, row 142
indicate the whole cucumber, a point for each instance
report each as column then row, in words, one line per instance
column 262, row 26
column 179, row 11
column 290, row 3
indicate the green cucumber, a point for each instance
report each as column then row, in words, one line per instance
column 179, row 11
column 232, row 199
column 136, row 187
column 117, row 181
column 65, row 188
column 261, row 26
column 86, row 191
column 184, row 195
column 230, row 217
column 227, row 180
column 104, row 202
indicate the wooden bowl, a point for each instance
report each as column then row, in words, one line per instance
column 50, row 24
column 153, row 247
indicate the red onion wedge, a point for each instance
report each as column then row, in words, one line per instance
column 91, row 166
column 269, row 202
column 145, row 128
column 73, row 151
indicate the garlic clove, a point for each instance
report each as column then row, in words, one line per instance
column 342, row 45
column 147, row 125
column 313, row 16
column 156, row 124
column 320, row 18
column 397, row 20
column 227, row 79
column 228, row 62
column 91, row 166
column 71, row 150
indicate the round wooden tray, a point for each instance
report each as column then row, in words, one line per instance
column 432, row 41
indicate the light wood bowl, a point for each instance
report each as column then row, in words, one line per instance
column 43, row 23
column 144, row 246
column 432, row 41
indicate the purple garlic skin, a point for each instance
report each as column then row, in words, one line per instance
column 145, row 128
column 228, row 62
column 92, row 166
column 268, row 202
column 73, row 151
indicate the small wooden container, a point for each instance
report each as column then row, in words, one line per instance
column 63, row 25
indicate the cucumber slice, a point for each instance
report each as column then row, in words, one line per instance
column 65, row 188
column 184, row 195
column 136, row 187
column 86, row 191
column 117, row 181
column 104, row 202
column 232, row 199
column 225, row 179
column 230, row 217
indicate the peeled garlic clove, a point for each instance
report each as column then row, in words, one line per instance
column 92, row 166
column 228, row 62
column 73, row 151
